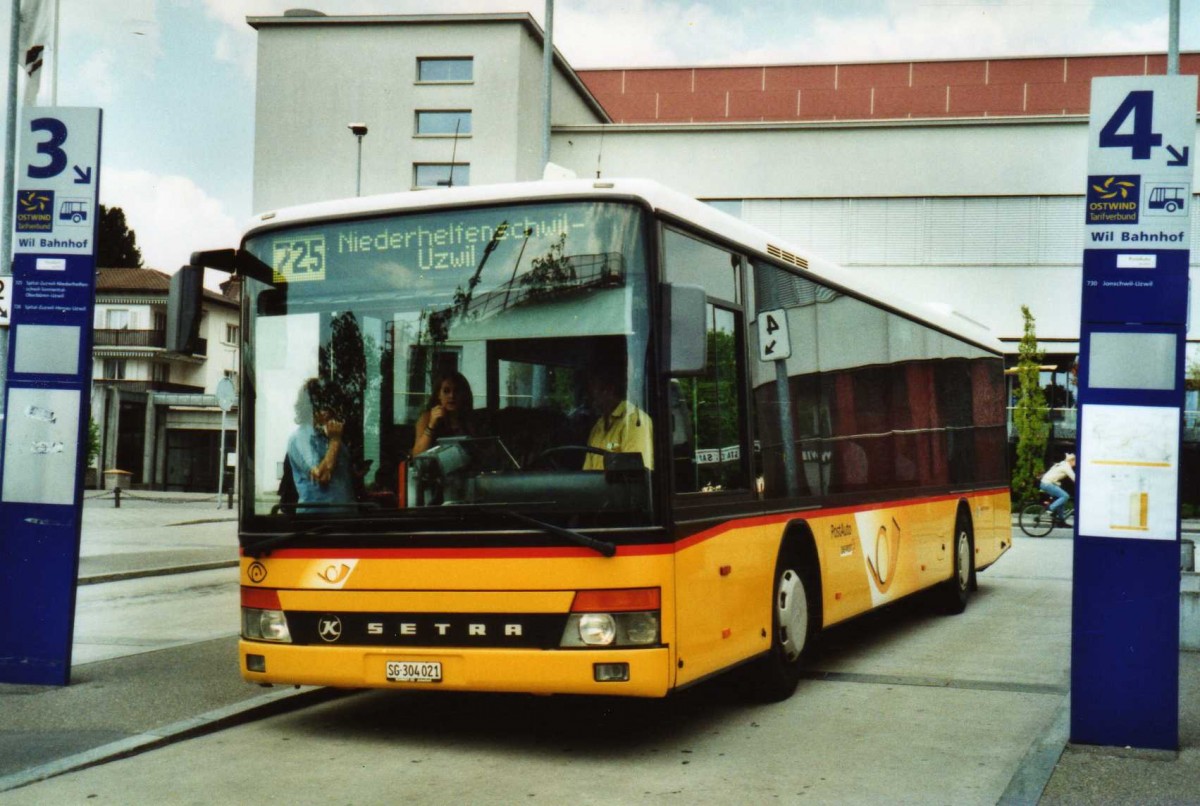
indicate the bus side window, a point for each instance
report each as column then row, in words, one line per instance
column 683, row 438
column 714, row 400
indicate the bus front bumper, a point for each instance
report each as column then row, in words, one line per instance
column 533, row 671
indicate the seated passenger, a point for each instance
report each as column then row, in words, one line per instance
column 319, row 463
column 449, row 412
column 622, row 427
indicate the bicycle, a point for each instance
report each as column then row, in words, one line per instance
column 1036, row 520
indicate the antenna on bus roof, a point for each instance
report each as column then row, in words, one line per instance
column 453, row 156
column 454, row 152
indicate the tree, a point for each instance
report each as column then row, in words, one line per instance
column 116, row 243
column 93, row 441
column 1029, row 415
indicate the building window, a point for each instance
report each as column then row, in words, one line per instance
column 114, row 369
column 444, row 122
column 438, row 174
column 231, row 333
column 117, row 319
column 455, row 69
column 160, row 372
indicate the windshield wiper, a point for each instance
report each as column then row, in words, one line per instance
column 570, row 535
column 261, row 548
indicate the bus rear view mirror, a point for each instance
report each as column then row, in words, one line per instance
column 183, row 309
column 685, row 337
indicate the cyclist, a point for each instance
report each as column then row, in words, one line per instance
column 1050, row 485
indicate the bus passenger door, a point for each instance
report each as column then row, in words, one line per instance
column 719, row 572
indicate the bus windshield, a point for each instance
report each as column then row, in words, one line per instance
column 442, row 367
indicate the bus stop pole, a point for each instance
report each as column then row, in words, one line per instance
column 221, row 461
column 786, row 431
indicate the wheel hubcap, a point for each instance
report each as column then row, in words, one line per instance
column 791, row 611
column 964, row 560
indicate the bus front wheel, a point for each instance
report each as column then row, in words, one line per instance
column 955, row 590
column 774, row 676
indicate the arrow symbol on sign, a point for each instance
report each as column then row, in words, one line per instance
column 1181, row 160
column 83, row 176
column 770, row 348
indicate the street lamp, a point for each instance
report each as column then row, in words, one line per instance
column 359, row 130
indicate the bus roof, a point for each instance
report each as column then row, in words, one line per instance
column 660, row 198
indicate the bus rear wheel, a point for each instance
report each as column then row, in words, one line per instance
column 774, row 676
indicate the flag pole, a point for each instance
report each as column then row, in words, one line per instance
column 7, row 191
column 54, row 58
column 547, row 74
column 6, row 210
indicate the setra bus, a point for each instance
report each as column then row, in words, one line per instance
column 807, row 448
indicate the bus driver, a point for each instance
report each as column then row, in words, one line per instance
column 622, row 427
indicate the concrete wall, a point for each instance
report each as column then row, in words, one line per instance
column 1000, row 159
column 222, row 354
column 739, row 161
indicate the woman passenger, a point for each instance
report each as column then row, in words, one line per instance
column 450, row 412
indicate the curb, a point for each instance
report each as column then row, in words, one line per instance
column 1037, row 766
column 260, row 707
column 140, row 573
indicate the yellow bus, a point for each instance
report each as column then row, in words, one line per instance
column 672, row 446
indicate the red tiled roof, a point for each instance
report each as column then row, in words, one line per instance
column 152, row 280
column 144, row 281
column 968, row 88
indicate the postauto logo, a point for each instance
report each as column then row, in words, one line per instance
column 1113, row 199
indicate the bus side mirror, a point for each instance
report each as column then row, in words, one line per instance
column 685, row 336
column 183, row 309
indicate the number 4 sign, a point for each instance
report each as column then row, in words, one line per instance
column 1143, row 124
column 773, row 341
column 1140, row 138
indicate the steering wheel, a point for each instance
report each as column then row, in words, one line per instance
column 548, row 457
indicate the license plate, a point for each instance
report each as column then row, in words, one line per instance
column 405, row 671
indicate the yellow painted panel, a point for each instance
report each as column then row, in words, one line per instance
column 467, row 572
column 723, row 599
column 531, row 671
column 429, row 601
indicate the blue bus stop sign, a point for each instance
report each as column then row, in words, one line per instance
column 49, row 384
column 1125, row 603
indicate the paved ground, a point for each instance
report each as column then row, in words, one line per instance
column 130, row 693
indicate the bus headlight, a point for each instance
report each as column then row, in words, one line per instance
column 611, row 630
column 641, row 628
column 265, row 625
column 597, row 629
column 614, row 618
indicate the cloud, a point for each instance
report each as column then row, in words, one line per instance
column 170, row 215
column 947, row 29
column 97, row 79
column 645, row 33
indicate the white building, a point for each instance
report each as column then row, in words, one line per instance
column 158, row 418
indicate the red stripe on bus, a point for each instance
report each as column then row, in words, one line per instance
column 782, row 517
column 564, row 552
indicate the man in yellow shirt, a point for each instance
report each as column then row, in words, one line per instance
column 623, row 428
